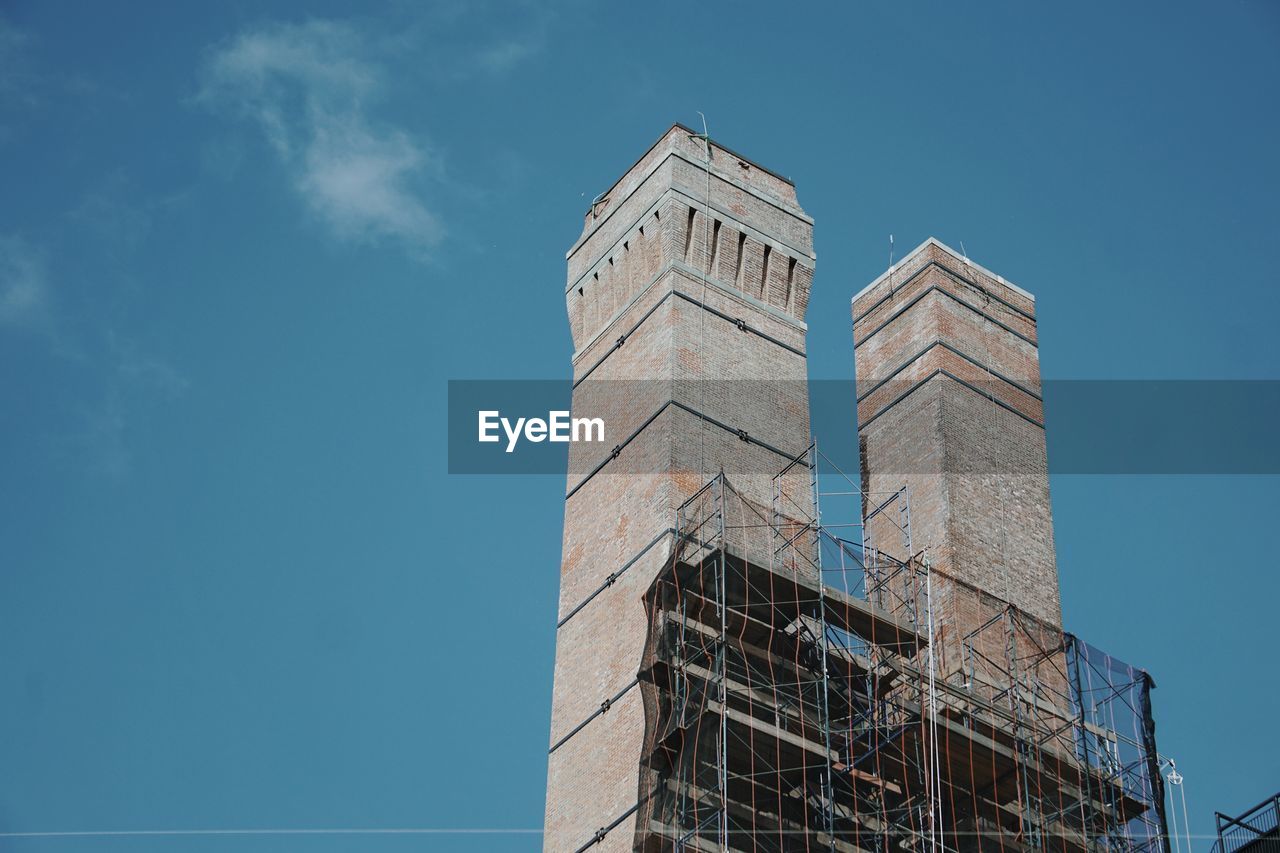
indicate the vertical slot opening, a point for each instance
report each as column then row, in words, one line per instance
column 742, row 248
column 688, row 236
column 715, row 247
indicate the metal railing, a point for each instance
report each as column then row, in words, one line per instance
column 1262, row 822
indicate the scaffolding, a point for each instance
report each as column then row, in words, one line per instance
column 795, row 696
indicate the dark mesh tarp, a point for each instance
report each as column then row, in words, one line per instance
column 1115, row 698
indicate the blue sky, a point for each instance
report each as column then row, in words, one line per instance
column 243, row 248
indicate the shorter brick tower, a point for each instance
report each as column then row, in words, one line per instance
column 1041, row 741
column 949, row 404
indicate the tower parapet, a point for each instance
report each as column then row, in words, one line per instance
column 748, row 235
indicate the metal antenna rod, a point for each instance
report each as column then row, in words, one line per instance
column 702, row 319
column 890, row 264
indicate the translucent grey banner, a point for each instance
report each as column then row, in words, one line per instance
column 1089, row 426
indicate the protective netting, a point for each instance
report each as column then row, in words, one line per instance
column 1118, row 737
column 796, row 698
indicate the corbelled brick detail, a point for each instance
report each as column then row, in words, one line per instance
column 949, row 405
column 668, row 287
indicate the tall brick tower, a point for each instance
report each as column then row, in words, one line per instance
column 686, row 291
column 949, row 404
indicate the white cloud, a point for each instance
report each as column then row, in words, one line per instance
column 358, row 180
column 143, row 372
column 24, row 285
column 506, row 55
column 308, row 87
column 113, row 215
column 132, row 384
column 16, row 79
column 124, row 381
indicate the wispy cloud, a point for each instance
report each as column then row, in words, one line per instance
column 137, row 369
column 308, row 87
column 115, row 215
column 24, row 285
column 19, row 84
column 132, row 383
column 15, row 74
column 115, row 379
column 129, row 386
column 503, row 56
column 29, row 84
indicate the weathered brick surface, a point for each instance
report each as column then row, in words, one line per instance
column 977, row 470
column 656, row 242
column 942, row 359
column 938, row 317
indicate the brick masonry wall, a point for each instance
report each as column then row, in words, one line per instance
column 972, row 452
column 654, row 251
